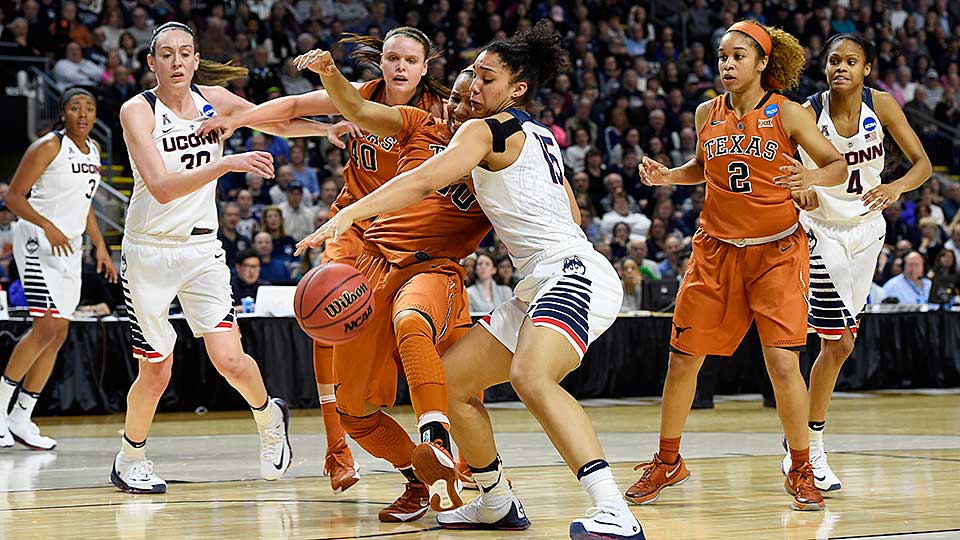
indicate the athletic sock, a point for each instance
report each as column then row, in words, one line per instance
column 408, row 473
column 490, row 479
column 435, row 426
column 816, row 426
column 265, row 415
column 331, row 419
column 132, row 451
column 7, row 388
column 669, row 450
column 23, row 410
column 799, row 457
column 596, row 478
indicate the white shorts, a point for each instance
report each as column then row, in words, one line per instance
column 843, row 259
column 51, row 282
column 574, row 292
column 153, row 275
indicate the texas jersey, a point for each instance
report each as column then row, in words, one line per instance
column 64, row 190
column 741, row 158
column 527, row 202
column 863, row 152
column 448, row 223
column 181, row 150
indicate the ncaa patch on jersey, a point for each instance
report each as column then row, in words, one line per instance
column 765, row 122
column 208, row 111
column 870, row 123
column 771, row 110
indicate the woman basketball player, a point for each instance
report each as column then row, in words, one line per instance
column 60, row 172
column 170, row 247
column 570, row 294
column 846, row 231
column 750, row 258
column 404, row 57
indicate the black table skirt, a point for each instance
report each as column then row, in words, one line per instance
column 95, row 369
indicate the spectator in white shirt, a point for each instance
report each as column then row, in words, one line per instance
column 142, row 29
column 614, row 185
column 575, row 155
column 75, row 70
column 278, row 193
column 485, row 294
column 639, row 223
column 904, row 85
column 297, row 217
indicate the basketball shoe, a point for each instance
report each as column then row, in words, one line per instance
column 656, row 476
column 607, row 522
column 799, row 483
column 436, row 468
column 6, row 438
column 823, row 476
column 136, row 476
column 466, row 477
column 340, row 466
column 275, row 451
column 27, row 433
column 491, row 512
column 410, row 506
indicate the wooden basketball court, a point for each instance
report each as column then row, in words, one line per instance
column 898, row 455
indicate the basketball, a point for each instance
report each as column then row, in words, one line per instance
column 333, row 303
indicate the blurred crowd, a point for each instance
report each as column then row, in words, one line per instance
column 637, row 75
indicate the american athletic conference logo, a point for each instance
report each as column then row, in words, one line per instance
column 573, row 265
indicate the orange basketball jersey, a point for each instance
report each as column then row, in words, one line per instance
column 447, row 224
column 741, row 158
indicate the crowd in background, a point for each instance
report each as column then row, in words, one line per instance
column 638, row 73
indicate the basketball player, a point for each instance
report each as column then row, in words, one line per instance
column 412, row 257
column 750, row 258
column 170, row 247
column 569, row 295
column 61, row 172
column 846, row 231
column 404, row 57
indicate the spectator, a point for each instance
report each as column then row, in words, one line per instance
column 283, row 244
column 665, row 210
column 657, row 129
column 303, row 173
column 293, row 80
column 910, row 287
column 951, row 202
column 931, row 242
column 297, row 217
column 249, row 222
column 639, row 224
column 232, row 241
column 328, row 193
column 485, row 294
column 946, row 109
column 128, row 53
column 687, row 149
column 615, row 130
column 271, row 270
column 19, row 32
column 142, row 29
column 74, row 70
column 278, row 193
column 246, row 280
column 261, row 196
column 6, row 234
column 619, row 241
column 953, row 244
column 690, row 221
column 505, row 275
column 632, row 281
column 262, row 77
column 944, row 268
column 575, row 155
column 629, row 143
column 933, row 89
column 670, row 266
column 656, row 240
column 67, row 29
column 614, row 184
column 637, row 250
column 897, row 227
column 548, row 119
column 112, row 29
column 278, row 147
column 581, row 119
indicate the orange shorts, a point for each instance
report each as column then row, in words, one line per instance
column 727, row 287
column 347, row 247
column 366, row 368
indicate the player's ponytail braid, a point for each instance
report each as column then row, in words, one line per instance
column 369, row 50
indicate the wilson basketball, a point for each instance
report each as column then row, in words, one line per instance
column 333, row 303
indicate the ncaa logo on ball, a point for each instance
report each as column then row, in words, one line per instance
column 208, row 111
column 771, row 110
column 870, row 124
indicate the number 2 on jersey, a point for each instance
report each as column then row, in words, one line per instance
column 556, row 172
column 739, row 172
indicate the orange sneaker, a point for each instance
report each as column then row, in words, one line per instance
column 656, row 476
column 435, row 467
column 341, row 467
column 799, row 483
column 466, row 477
column 410, row 506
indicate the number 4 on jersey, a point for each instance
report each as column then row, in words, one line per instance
column 853, row 184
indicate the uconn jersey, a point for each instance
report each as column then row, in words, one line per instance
column 62, row 194
column 170, row 250
column 182, row 149
column 845, row 238
column 567, row 286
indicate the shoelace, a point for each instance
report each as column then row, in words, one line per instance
column 594, row 511
column 272, row 442
column 819, row 461
column 805, row 485
column 141, row 470
column 647, row 467
column 336, row 457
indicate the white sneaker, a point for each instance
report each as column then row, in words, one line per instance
column 823, row 476
column 275, row 451
column 28, row 434
column 607, row 522
column 136, row 476
column 6, row 438
column 503, row 513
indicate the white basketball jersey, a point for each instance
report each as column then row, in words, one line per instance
column 66, row 187
column 863, row 153
column 526, row 202
column 193, row 216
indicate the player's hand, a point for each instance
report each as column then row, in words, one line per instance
column 105, row 265
column 882, row 196
column 796, row 177
column 224, row 124
column 806, row 200
column 318, row 61
column 654, row 173
column 59, row 243
column 344, row 127
column 333, row 228
column 259, row 163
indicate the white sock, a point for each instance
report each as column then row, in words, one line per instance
column 602, row 488
column 267, row 416
column 23, row 410
column 816, row 440
column 7, row 388
column 491, row 481
column 129, row 452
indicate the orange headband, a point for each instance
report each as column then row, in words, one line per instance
column 757, row 32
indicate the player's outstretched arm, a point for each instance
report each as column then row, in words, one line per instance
column 137, row 121
column 801, row 126
column 470, row 146
column 892, row 118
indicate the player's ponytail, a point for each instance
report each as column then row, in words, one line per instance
column 208, row 72
column 535, row 56
column 786, row 56
column 369, row 50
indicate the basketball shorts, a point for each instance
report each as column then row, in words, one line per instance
column 573, row 291
column 843, row 260
column 367, row 368
column 152, row 275
column 726, row 288
column 51, row 282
